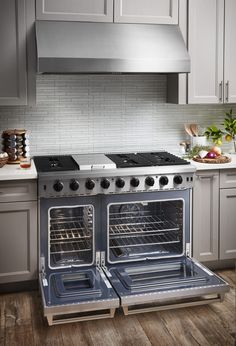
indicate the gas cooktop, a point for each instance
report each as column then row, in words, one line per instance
column 109, row 161
column 159, row 158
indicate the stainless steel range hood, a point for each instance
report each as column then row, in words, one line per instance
column 73, row 47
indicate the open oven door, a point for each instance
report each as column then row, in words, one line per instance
column 165, row 284
column 77, row 295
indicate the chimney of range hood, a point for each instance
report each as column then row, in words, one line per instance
column 75, row 47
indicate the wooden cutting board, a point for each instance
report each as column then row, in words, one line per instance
column 219, row 159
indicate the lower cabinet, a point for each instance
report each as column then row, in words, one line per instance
column 214, row 215
column 18, row 246
column 228, row 214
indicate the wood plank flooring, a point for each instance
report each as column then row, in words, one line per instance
column 21, row 323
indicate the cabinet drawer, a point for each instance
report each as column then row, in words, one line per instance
column 18, row 191
column 228, row 178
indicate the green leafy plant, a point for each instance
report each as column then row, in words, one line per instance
column 229, row 131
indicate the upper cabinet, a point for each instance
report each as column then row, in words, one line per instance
column 122, row 11
column 17, row 42
column 212, row 48
column 148, row 11
column 75, row 10
column 13, row 75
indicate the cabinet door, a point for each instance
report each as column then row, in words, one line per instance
column 227, row 223
column 230, row 51
column 75, row 10
column 205, row 216
column 206, row 28
column 148, row 11
column 18, row 246
column 13, row 86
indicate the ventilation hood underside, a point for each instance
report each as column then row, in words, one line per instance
column 73, row 47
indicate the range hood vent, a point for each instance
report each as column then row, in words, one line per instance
column 73, row 47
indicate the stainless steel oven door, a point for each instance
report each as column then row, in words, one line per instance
column 162, row 284
column 77, row 295
column 147, row 235
column 73, row 286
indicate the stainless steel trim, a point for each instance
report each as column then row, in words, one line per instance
column 176, row 293
column 106, row 313
column 130, row 310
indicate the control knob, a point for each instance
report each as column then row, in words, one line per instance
column 163, row 180
column 105, row 183
column 90, row 184
column 149, row 181
column 58, row 186
column 178, row 179
column 74, row 185
column 120, row 183
column 134, row 182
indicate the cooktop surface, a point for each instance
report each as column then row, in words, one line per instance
column 160, row 158
column 88, row 162
column 55, row 163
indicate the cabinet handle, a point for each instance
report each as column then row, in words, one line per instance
column 221, row 91
column 202, row 177
column 227, row 91
column 231, row 196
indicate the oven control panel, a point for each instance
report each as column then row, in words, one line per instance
column 78, row 186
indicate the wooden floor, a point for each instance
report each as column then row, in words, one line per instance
column 21, row 323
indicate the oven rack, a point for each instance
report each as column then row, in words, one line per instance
column 73, row 246
column 141, row 224
column 69, row 235
column 147, row 240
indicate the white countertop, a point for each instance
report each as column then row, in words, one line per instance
column 14, row 172
column 209, row 166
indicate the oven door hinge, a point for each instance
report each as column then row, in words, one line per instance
column 188, row 250
column 98, row 259
column 43, row 273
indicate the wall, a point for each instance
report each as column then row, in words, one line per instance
column 104, row 113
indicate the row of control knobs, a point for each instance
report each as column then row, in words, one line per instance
column 120, row 183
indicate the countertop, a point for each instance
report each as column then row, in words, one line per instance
column 14, row 172
column 210, row 166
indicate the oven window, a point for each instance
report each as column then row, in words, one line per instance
column 71, row 236
column 146, row 229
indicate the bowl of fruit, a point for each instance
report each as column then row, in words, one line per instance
column 3, row 158
column 207, row 154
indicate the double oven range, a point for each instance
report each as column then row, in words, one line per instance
column 115, row 232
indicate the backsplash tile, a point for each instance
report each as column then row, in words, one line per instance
column 104, row 113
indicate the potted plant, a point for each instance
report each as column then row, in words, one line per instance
column 229, row 131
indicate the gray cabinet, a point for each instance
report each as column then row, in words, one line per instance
column 17, row 56
column 205, row 215
column 214, row 215
column 148, row 11
column 18, row 231
column 211, row 43
column 75, row 10
column 122, row 11
column 13, row 76
column 228, row 214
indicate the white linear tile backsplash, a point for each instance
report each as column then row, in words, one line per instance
column 105, row 113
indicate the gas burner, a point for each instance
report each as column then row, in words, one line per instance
column 55, row 163
column 161, row 158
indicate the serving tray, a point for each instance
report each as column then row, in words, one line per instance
column 219, row 159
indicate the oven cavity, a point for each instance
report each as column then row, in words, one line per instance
column 145, row 230
column 71, row 236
